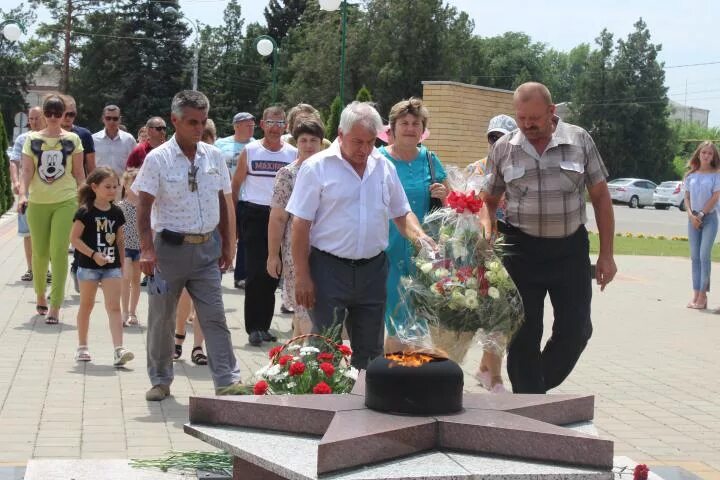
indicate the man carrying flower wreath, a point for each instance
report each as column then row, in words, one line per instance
column 347, row 194
column 543, row 168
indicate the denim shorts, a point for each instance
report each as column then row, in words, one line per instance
column 133, row 254
column 23, row 229
column 97, row 274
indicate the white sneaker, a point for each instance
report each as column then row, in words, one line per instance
column 122, row 356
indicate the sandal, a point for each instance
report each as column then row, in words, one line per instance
column 178, row 347
column 82, row 354
column 41, row 309
column 48, row 278
column 52, row 320
column 198, row 357
column 27, row 276
column 132, row 319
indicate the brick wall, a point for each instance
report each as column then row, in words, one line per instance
column 459, row 116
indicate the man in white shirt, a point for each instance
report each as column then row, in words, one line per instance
column 185, row 196
column 112, row 145
column 342, row 201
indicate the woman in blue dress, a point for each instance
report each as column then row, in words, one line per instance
column 417, row 167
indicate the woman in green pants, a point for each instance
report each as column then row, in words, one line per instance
column 52, row 171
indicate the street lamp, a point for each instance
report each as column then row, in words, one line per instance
column 265, row 46
column 196, row 52
column 331, row 6
column 12, row 29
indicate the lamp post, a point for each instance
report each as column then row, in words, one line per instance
column 265, row 46
column 12, row 29
column 196, row 50
column 331, row 6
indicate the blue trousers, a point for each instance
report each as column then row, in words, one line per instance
column 701, row 243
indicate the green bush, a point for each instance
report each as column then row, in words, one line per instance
column 6, row 195
column 333, row 121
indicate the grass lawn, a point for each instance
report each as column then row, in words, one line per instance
column 650, row 246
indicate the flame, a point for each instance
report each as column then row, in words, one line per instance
column 409, row 359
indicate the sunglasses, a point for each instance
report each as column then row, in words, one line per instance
column 192, row 178
column 49, row 114
column 71, row 114
column 156, row 285
column 494, row 137
column 271, row 123
column 112, row 119
column 160, row 128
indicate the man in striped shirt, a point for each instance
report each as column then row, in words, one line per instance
column 544, row 168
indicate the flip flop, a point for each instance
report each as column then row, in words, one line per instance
column 41, row 309
column 51, row 320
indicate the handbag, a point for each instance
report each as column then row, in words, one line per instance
column 435, row 203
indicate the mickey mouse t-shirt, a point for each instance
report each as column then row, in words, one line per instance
column 53, row 181
column 100, row 234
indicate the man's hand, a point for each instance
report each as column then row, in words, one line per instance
column 226, row 258
column 304, row 291
column 438, row 190
column 148, row 261
column 423, row 241
column 696, row 222
column 605, row 270
column 274, row 266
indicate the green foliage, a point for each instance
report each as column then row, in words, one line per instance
column 333, row 121
column 688, row 135
column 6, row 195
column 363, row 95
column 281, row 19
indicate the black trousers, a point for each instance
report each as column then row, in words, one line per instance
column 239, row 272
column 259, row 286
column 559, row 267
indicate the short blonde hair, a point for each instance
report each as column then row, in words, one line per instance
column 414, row 107
column 529, row 90
column 209, row 131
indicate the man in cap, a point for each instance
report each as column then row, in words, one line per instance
column 244, row 127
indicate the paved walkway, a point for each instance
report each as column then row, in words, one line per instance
column 652, row 364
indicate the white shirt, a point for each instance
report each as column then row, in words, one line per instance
column 262, row 167
column 350, row 214
column 113, row 152
column 164, row 175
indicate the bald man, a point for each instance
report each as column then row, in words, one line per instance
column 544, row 168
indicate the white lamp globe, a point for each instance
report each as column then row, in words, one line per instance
column 264, row 47
column 329, row 5
column 12, row 32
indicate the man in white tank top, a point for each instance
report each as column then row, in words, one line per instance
column 257, row 166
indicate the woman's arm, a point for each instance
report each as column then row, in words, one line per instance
column 78, row 170
column 276, row 226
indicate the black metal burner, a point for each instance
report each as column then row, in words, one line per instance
column 432, row 388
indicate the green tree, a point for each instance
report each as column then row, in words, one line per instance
column 333, row 121
column 282, row 18
column 363, row 95
column 6, row 195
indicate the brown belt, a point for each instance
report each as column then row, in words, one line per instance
column 197, row 238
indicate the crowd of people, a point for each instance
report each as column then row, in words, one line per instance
column 336, row 222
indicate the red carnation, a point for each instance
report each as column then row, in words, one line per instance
column 641, row 472
column 321, row 388
column 274, row 351
column 344, row 349
column 260, row 388
column 325, row 357
column 285, row 359
column 297, row 368
column 327, row 368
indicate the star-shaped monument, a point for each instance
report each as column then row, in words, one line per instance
column 519, row 426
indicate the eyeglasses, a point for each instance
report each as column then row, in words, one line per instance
column 56, row 114
column 272, row 123
column 112, row 119
column 494, row 137
column 159, row 128
column 71, row 114
column 192, row 178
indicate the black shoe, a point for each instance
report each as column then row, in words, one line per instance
column 143, row 283
column 284, row 309
column 240, row 284
column 255, row 339
column 268, row 337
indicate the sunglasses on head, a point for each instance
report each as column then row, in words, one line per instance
column 160, row 128
column 112, row 119
column 279, row 123
column 71, row 114
column 53, row 113
column 192, row 178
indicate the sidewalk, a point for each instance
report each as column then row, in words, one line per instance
column 652, row 364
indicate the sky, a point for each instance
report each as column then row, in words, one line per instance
column 686, row 29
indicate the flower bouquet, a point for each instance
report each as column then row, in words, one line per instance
column 309, row 363
column 460, row 287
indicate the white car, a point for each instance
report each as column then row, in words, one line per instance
column 670, row 194
column 635, row 192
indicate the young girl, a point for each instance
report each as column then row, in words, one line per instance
column 131, row 267
column 98, row 237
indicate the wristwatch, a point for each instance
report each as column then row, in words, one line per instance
column 701, row 214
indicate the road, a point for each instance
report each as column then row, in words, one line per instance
column 648, row 221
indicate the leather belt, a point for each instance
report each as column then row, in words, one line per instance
column 350, row 261
column 197, row 238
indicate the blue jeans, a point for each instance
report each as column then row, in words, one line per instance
column 97, row 274
column 701, row 243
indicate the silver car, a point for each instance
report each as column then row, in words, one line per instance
column 670, row 194
column 635, row 192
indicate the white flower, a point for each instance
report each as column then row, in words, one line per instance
column 472, row 302
column 491, row 276
column 426, row 267
column 494, row 266
column 308, row 351
column 291, row 384
column 502, row 274
column 293, row 348
column 262, row 371
column 459, row 249
column 457, row 297
column 471, row 293
column 441, row 273
column 280, row 376
column 274, row 370
column 352, row 372
column 471, row 282
column 493, row 292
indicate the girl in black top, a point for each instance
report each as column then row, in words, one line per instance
column 98, row 237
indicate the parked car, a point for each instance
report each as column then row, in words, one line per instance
column 670, row 194
column 635, row 192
